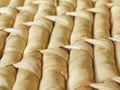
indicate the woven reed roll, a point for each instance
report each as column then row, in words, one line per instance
column 80, row 67
column 55, row 59
column 30, row 68
column 13, row 49
column 7, row 18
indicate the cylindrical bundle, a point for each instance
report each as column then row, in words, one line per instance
column 105, row 67
column 7, row 18
column 54, row 73
column 7, row 77
column 29, row 73
column 80, row 66
column 80, row 63
column 14, row 47
column 55, row 59
column 104, row 60
column 101, row 22
column 63, row 26
column 61, row 32
column 19, row 32
column 30, row 68
column 115, row 10
column 4, row 3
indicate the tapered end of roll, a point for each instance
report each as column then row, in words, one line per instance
column 2, row 28
column 56, row 19
column 53, row 18
column 96, row 85
column 5, row 10
column 72, row 13
column 42, row 51
column 10, row 30
column 116, row 38
column 28, row 23
column 22, row 8
column 15, row 31
column 71, row 47
column 102, row 42
column 93, row 41
column 117, row 79
column 106, row 85
column 93, row 10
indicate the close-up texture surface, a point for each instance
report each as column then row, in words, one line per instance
column 59, row 45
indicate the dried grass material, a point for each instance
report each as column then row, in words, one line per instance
column 40, row 30
column 116, row 32
column 80, row 63
column 3, row 35
column 7, row 18
column 55, row 59
column 101, row 22
column 106, row 85
column 63, row 27
column 7, row 80
column 61, row 32
column 18, row 33
column 29, row 70
column 54, row 69
column 30, row 66
column 4, row 3
column 14, row 47
column 105, row 67
column 83, row 22
column 80, row 67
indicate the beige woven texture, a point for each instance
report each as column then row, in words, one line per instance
column 59, row 44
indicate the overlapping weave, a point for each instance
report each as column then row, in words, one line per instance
column 59, row 45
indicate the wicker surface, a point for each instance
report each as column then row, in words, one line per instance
column 59, row 45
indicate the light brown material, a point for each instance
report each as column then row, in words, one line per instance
column 104, row 59
column 4, row 3
column 7, row 79
column 7, row 18
column 54, row 69
column 116, row 32
column 30, row 68
column 55, row 59
column 14, row 47
column 29, row 72
column 107, row 85
column 80, row 63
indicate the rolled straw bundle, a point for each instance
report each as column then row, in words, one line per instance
column 14, row 49
column 115, row 10
column 30, row 67
column 104, row 60
column 7, row 18
column 80, row 63
column 55, row 59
